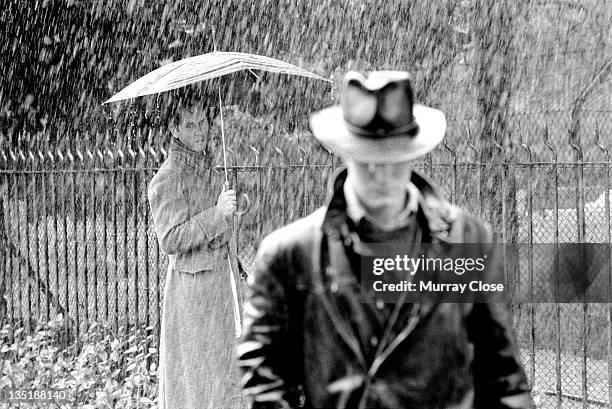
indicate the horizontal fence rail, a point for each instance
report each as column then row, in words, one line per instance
column 77, row 238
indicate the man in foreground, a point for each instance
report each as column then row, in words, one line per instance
column 315, row 336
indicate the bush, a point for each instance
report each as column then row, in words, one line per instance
column 102, row 369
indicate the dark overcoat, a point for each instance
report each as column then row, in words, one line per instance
column 308, row 336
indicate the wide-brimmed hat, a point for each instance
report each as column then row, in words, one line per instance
column 377, row 120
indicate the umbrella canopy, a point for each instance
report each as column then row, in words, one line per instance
column 205, row 67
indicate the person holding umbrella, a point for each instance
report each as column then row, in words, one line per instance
column 192, row 227
column 191, row 212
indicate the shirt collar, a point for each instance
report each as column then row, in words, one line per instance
column 356, row 212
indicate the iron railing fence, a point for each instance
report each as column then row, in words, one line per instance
column 77, row 239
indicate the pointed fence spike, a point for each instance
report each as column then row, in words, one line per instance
column 281, row 153
column 153, row 154
column 548, row 143
column 450, row 148
column 256, row 153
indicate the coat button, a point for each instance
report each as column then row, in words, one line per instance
column 380, row 304
column 374, row 341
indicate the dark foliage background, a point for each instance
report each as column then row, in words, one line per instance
column 503, row 70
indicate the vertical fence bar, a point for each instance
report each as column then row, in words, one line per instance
column 124, row 273
column 94, row 227
column 258, row 193
column 115, row 233
column 504, row 168
column 606, row 154
column 84, row 301
column 145, row 175
column 26, row 232
column 157, row 274
column 453, row 152
column 103, row 209
column 50, row 224
column 6, row 317
column 53, row 191
column 304, row 164
column 64, row 199
column 161, row 282
column 555, row 170
column 134, row 235
column 4, row 236
column 478, row 163
column 32, row 253
column 23, row 261
column 16, row 273
column 75, row 239
column 4, row 252
column 38, row 242
column 8, row 237
column 428, row 164
column 45, row 239
column 86, row 174
column 581, row 226
column 18, row 233
column 585, row 389
column 16, row 261
column 283, row 192
column 579, row 191
column 35, row 210
column 527, row 149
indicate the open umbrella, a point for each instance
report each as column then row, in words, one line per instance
column 206, row 67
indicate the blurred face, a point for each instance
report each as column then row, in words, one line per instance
column 379, row 187
column 193, row 128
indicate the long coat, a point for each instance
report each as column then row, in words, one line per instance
column 307, row 331
column 197, row 346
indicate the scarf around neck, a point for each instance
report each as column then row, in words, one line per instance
column 191, row 160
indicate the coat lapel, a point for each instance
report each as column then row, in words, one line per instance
column 436, row 221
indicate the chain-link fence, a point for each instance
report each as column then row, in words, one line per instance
column 77, row 239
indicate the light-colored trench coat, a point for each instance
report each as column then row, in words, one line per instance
column 197, row 368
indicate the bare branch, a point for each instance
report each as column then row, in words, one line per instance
column 597, row 79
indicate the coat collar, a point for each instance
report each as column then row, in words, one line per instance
column 437, row 214
column 187, row 159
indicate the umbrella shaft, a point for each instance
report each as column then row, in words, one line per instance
column 223, row 137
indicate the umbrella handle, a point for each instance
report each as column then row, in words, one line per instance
column 247, row 202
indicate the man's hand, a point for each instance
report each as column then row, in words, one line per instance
column 226, row 203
